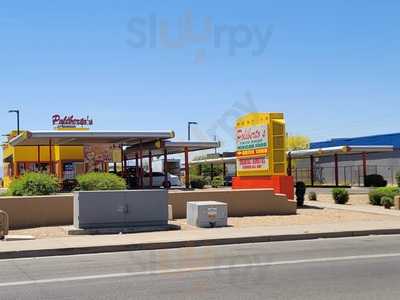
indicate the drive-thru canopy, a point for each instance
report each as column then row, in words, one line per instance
column 132, row 144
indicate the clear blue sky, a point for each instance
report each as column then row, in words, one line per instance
column 331, row 66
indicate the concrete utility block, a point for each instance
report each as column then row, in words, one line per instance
column 170, row 213
column 110, row 209
column 3, row 224
column 397, row 202
column 207, row 214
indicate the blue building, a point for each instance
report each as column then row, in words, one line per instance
column 349, row 169
column 392, row 139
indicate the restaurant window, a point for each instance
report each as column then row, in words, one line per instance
column 21, row 168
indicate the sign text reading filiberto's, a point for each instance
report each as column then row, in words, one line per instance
column 70, row 121
column 252, row 137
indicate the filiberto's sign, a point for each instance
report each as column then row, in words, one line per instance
column 70, row 121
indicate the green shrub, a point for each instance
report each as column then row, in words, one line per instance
column 387, row 202
column 340, row 195
column 376, row 195
column 34, row 184
column 100, row 181
column 398, row 178
column 197, row 182
column 312, row 196
column 217, row 182
column 375, row 180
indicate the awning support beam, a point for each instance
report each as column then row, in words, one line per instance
column 312, row 170
column 187, row 179
column 336, row 170
column 364, row 159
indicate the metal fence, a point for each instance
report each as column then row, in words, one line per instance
column 348, row 175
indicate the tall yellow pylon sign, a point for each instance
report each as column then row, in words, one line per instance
column 261, row 144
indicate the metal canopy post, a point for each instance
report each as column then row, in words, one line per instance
column 125, row 162
column 150, row 169
column 224, row 169
column 122, row 160
column 336, row 170
column 312, row 170
column 187, row 179
column 364, row 159
column 165, row 167
column 141, row 163
column 50, row 157
column 38, row 158
column 289, row 168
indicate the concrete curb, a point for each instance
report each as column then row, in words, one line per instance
column 192, row 243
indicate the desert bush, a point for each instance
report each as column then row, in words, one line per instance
column 387, row 202
column 340, row 195
column 33, row 184
column 376, row 195
column 375, row 180
column 398, row 178
column 217, row 182
column 100, row 181
column 312, row 196
column 197, row 182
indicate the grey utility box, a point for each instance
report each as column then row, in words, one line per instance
column 207, row 214
column 108, row 209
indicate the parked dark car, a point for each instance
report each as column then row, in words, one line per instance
column 228, row 181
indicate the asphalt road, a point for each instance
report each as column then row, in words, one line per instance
column 347, row 268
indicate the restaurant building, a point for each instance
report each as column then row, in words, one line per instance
column 71, row 149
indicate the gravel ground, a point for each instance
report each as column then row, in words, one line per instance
column 354, row 199
column 304, row 216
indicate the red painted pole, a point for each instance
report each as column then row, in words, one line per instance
column 224, row 169
column 336, row 170
column 38, row 158
column 141, row 164
column 50, row 158
column 187, row 179
column 122, row 161
column 150, row 169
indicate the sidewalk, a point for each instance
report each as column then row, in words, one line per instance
column 176, row 239
column 371, row 209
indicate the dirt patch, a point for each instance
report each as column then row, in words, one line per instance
column 355, row 199
column 304, row 216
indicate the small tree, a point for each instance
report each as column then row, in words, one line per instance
column 298, row 142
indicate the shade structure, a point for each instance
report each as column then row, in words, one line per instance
column 215, row 161
column 298, row 154
column 170, row 147
column 76, row 138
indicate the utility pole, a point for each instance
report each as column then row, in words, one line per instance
column 17, row 112
column 190, row 123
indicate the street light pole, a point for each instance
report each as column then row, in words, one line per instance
column 17, row 112
column 189, row 124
